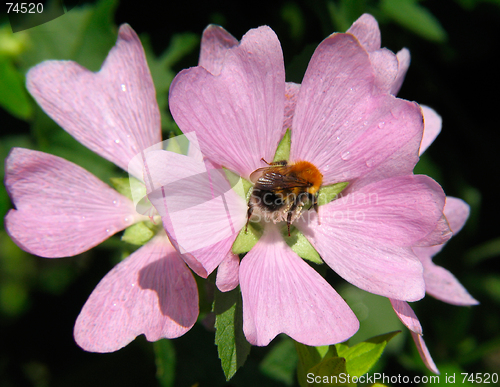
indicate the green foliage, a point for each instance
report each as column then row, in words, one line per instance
column 232, row 346
column 280, row 363
column 411, row 15
column 13, row 95
column 339, row 363
column 165, row 362
column 138, row 234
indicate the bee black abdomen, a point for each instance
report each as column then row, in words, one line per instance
column 271, row 201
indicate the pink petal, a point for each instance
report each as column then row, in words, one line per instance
column 291, row 93
column 61, row 209
column 341, row 124
column 201, row 213
column 444, row 286
column 366, row 30
column 283, row 294
column 215, row 43
column 404, row 58
column 237, row 115
column 152, row 292
column 457, row 212
column 385, row 65
column 227, row 273
column 113, row 112
column 363, row 235
column 424, row 352
column 441, row 234
column 439, row 282
column 407, row 316
column 432, row 127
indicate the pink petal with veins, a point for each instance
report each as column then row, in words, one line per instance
column 61, row 209
column 366, row 236
column 152, row 292
column 112, row 112
column 215, row 43
column 283, row 294
column 343, row 124
column 237, row 115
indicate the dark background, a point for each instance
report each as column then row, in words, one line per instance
column 457, row 76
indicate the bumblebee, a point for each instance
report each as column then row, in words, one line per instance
column 281, row 190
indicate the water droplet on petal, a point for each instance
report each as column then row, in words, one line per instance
column 124, row 88
column 117, row 141
column 346, row 155
column 381, row 124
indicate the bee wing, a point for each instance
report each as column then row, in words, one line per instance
column 273, row 180
column 255, row 175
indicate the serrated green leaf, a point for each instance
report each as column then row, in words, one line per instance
column 247, row 238
column 301, row 245
column 13, row 95
column 165, row 362
column 138, row 234
column 411, row 15
column 361, row 357
column 232, row 346
column 283, row 150
column 330, row 192
column 280, row 363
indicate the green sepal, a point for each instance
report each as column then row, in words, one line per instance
column 363, row 356
column 301, row 245
column 129, row 187
column 330, row 192
column 247, row 238
column 138, row 234
column 240, row 185
column 283, row 150
column 165, row 362
column 232, row 346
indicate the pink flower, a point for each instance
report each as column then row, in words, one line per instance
column 439, row 282
column 345, row 121
column 63, row 210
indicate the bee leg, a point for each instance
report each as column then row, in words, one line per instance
column 314, row 201
column 289, row 220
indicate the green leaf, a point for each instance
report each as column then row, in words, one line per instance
column 332, row 372
column 301, row 245
column 361, row 357
column 283, row 150
column 280, row 363
column 232, row 346
column 411, row 15
column 330, row 192
column 165, row 362
column 13, row 95
column 138, row 234
column 247, row 238
column 308, row 358
column 84, row 34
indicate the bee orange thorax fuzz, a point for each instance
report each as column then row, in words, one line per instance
column 309, row 172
